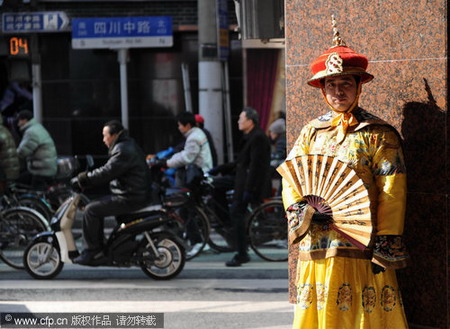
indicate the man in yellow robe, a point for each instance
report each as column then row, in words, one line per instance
column 339, row 284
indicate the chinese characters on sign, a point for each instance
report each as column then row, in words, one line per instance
column 34, row 22
column 122, row 32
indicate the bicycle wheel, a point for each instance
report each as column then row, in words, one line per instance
column 38, row 204
column 191, row 225
column 267, row 231
column 218, row 234
column 17, row 227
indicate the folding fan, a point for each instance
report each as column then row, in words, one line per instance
column 334, row 189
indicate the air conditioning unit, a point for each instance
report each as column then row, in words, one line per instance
column 261, row 19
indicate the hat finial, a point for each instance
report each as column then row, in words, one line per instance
column 337, row 40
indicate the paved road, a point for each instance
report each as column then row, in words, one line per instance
column 205, row 295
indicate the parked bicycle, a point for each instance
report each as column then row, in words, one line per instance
column 267, row 230
column 18, row 226
column 266, row 223
column 15, row 196
column 46, row 200
column 181, row 204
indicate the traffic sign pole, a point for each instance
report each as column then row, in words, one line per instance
column 122, row 56
column 36, row 78
column 120, row 34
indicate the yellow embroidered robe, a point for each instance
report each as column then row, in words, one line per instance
column 334, row 283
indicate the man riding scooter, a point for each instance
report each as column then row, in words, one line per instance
column 129, row 181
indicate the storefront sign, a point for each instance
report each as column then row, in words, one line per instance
column 222, row 27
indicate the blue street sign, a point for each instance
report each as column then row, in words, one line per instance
column 26, row 22
column 122, row 32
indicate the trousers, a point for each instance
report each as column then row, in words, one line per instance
column 97, row 210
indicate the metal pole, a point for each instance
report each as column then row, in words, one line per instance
column 187, row 87
column 227, row 108
column 122, row 56
column 37, row 91
column 36, row 78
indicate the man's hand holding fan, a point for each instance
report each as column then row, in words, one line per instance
column 335, row 191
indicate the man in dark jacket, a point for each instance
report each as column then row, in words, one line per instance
column 9, row 160
column 128, row 177
column 251, row 180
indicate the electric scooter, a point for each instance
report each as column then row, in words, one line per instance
column 139, row 240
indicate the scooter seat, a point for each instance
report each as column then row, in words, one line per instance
column 138, row 213
column 149, row 208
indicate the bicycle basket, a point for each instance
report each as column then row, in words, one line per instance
column 66, row 166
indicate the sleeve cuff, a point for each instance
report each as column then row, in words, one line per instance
column 83, row 179
column 299, row 217
column 390, row 252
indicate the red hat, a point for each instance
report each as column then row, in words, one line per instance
column 199, row 118
column 339, row 60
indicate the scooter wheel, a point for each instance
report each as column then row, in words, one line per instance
column 170, row 261
column 42, row 260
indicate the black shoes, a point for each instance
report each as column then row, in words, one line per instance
column 237, row 260
column 89, row 257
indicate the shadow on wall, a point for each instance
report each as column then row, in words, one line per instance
column 424, row 131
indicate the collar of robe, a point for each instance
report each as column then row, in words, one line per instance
column 343, row 120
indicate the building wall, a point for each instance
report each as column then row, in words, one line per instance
column 183, row 12
column 81, row 88
column 406, row 44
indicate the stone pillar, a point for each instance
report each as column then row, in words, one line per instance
column 210, row 74
column 406, row 46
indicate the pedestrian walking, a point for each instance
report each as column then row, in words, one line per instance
column 249, row 175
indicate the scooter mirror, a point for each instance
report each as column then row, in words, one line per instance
column 89, row 161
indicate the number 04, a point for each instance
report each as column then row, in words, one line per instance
column 18, row 44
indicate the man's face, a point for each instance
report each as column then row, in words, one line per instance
column 21, row 122
column 184, row 128
column 273, row 136
column 245, row 124
column 108, row 139
column 341, row 91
